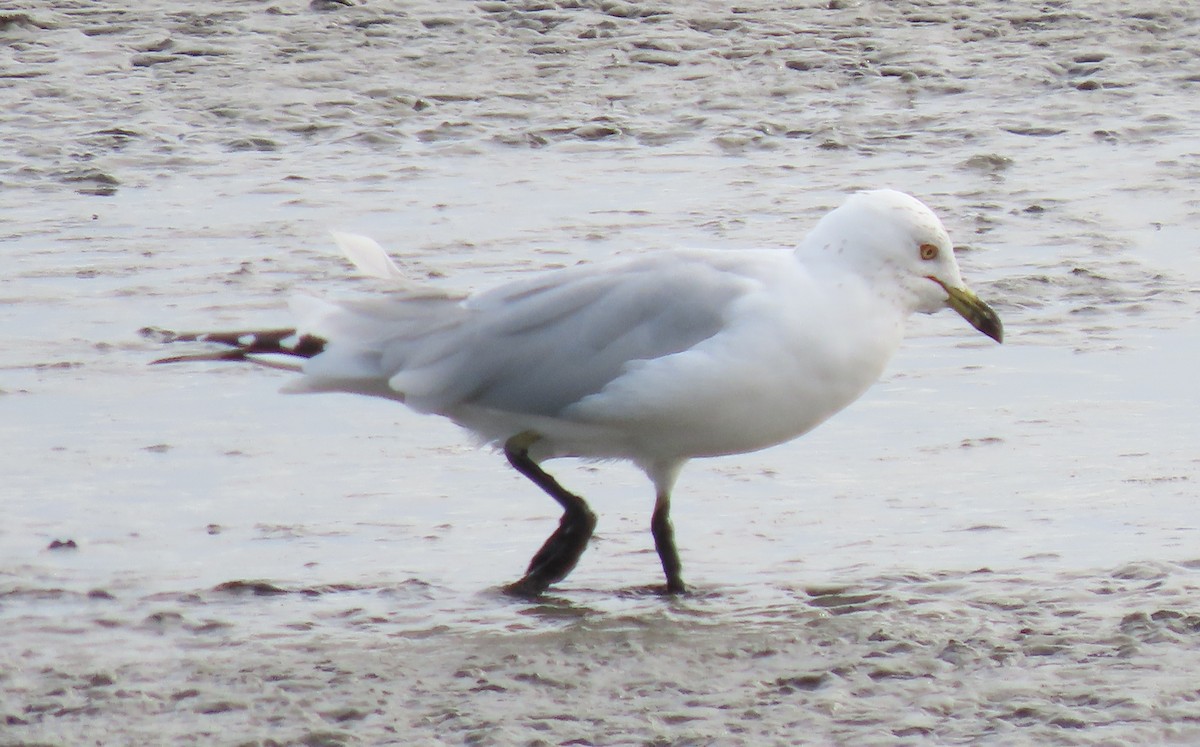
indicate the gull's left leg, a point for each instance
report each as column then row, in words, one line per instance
column 562, row 550
column 664, row 542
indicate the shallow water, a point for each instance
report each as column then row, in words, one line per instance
column 998, row 544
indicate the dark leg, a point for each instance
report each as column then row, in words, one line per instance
column 664, row 542
column 558, row 556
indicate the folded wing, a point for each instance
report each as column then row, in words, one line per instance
column 533, row 346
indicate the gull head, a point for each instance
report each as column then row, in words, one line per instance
column 896, row 241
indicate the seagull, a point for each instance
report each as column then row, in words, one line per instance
column 656, row 359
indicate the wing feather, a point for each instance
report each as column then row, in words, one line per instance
column 534, row 346
column 538, row 346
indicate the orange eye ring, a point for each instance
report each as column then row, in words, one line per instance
column 928, row 252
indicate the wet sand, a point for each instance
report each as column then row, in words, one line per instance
column 997, row 545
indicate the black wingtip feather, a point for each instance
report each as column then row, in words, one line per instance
column 263, row 342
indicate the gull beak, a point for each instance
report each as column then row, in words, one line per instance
column 981, row 316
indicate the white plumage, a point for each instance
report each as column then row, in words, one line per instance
column 656, row 359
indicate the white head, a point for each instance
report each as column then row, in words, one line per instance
column 895, row 238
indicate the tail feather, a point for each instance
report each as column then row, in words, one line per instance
column 244, row 344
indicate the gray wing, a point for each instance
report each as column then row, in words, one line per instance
column 539, row 345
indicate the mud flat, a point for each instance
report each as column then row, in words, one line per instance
column 997, row 545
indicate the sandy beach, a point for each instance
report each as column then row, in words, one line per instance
column 996, row 545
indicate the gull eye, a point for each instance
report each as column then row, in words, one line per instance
column 928, row 252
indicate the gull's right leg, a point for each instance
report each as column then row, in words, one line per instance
column 664, row 542
column 562, row 550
